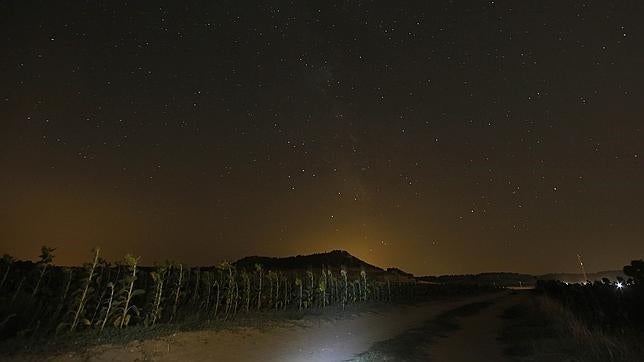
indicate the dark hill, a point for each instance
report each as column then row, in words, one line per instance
column 335, row 258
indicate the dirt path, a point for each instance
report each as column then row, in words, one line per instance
column 310, row 340
column 476, row 340
column 462, row 334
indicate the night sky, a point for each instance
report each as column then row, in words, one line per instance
column 436, row 136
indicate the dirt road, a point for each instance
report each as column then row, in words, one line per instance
column 464, row 334
column 476, row 338
column 322, row 340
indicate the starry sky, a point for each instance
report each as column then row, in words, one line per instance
column 436, row 136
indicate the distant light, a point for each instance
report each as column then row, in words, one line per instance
column 619, row 285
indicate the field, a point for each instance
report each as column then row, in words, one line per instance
column 46, row 308
column 337, row 308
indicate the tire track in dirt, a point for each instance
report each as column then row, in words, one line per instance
column 463, row 334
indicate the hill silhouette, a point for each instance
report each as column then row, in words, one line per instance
column 335, row 258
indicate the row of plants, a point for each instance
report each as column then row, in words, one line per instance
column 40, row 299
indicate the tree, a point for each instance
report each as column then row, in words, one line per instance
column 635, row 270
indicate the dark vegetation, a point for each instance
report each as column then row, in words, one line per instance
column 513, row 280
column 602, row 304
column 579, row 278
column 592, row 321
column 40, row 301
column 502, row 280
column 530, row 335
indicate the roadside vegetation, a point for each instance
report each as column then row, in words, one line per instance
column 600, row 321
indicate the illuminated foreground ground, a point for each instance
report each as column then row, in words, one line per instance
column 365, row 337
